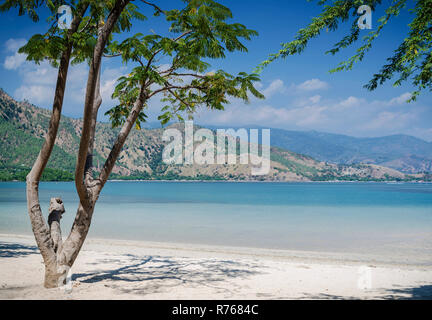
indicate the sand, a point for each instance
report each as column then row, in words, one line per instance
column 118, row 269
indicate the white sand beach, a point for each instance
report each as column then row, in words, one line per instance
column 117, row 269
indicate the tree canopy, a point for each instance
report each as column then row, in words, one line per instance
column 198, row 32
column 411, row 61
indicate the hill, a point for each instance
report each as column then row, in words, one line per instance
column 400, row 152
column 23, row 125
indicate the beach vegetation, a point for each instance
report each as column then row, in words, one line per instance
column 198, row 32
column 410, row 62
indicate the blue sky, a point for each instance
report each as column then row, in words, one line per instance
column 301, row 93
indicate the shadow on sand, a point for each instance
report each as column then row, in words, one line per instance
column 15, row 250
column 422, row 292
column 154, row 274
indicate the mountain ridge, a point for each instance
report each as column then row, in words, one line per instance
column 401, row 152
column 23, row 126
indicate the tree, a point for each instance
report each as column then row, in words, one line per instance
column 411, row 61
column 201, row 32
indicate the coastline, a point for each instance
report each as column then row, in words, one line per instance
column 123, row 269
column 247, row 181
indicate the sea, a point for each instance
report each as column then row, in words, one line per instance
column 358, row 217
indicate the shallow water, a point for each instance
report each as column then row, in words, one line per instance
column 393, row 219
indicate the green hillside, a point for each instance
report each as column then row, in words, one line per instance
column 20, row 148
column 23, row 126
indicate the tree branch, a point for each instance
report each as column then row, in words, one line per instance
column 39, row 226
column 170, row 87
column 56, row 209
column 178, row 98
column 86, row 192
column 88, row 171
column 121, row 139
column 159, row 50
column 112, row 55
column 89, row 99
column 187, row 75
column 154, row 6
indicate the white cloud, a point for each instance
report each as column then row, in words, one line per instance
column 277, row 86
column 163, row 67
column 34, row 93
column 42, row 74
column 349, row 103
column 12, row 45
column 266, row 115
column 402, row 99
column 394, row 102
column 14, row 61
column 312, row 85
column 108, row 83
column 352, row 115
column 301, row 102
column 37, row 83
column 423, row 133
column 107, row 89
column 390, row 120
column 315, row 99
column 258, row 85
column 301, row 109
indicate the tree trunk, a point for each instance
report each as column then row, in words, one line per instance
column 58, row 257
column 56, row 271
column 77, row 236
column 55, row 276
column 56, row 209
column 42, row 232
column 89, row 99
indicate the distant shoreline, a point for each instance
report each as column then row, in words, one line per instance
column 243, row 181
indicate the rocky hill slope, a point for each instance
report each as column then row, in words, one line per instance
column 23, row 125
column 401, row 152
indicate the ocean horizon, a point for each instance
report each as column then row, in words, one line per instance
column 366, row 218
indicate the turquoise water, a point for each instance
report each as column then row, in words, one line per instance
column 354, row 217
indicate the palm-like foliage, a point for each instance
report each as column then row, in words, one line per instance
column 200, row 33
column 411, row 61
